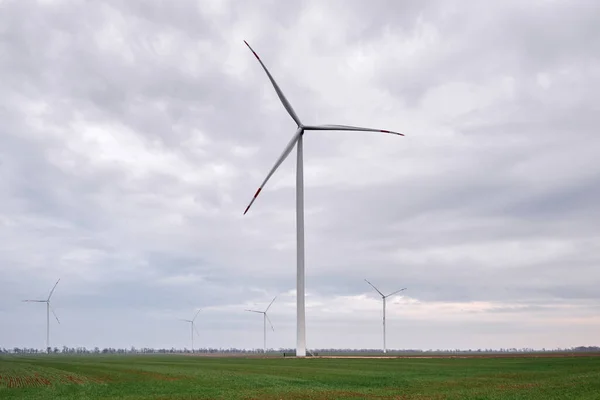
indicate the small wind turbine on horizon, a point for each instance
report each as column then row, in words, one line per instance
column 48, row 309
column 192, row 327
column 384, row 297
column 297, row 141
column 265, row 318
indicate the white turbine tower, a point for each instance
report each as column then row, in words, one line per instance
column 192, row 327
column 265, row 318
column 384, row 297
column 48, row 309
column 297, row 140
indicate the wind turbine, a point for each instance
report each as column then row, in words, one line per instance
column 48, row 308
column 192, row 327
column 265, row 318
column 297, row 140
column 384, row 297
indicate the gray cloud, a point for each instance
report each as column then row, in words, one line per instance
column 134, row 133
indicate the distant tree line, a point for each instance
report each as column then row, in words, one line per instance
column 459, row 351
column 289, row 351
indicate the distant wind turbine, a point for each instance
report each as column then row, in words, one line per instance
column 192, row 327
column 297, row 139
column 48, row 309
column 384, row 297
column 265, row 318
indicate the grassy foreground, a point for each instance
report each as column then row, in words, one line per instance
column 187, row 377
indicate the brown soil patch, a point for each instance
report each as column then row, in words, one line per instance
column 23, row 381
column 37, row 380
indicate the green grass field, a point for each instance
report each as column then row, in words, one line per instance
column 190, row 377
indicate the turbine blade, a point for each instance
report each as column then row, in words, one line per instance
column 281, row 158
column 197, row 312
column 374, row 288
column 269, row 319
column 260, row 312
column 52, row 309
column 397, row 291
column 35, row 301
column 186, row 320
column 270, row 303
column 196, row 330
column 348, row 128
column 52, row 291
column 284, row 101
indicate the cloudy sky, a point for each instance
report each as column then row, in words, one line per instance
column 134, row 133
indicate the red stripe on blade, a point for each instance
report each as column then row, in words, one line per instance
column 253, row 52
column 393, row 133
column 255, row 195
